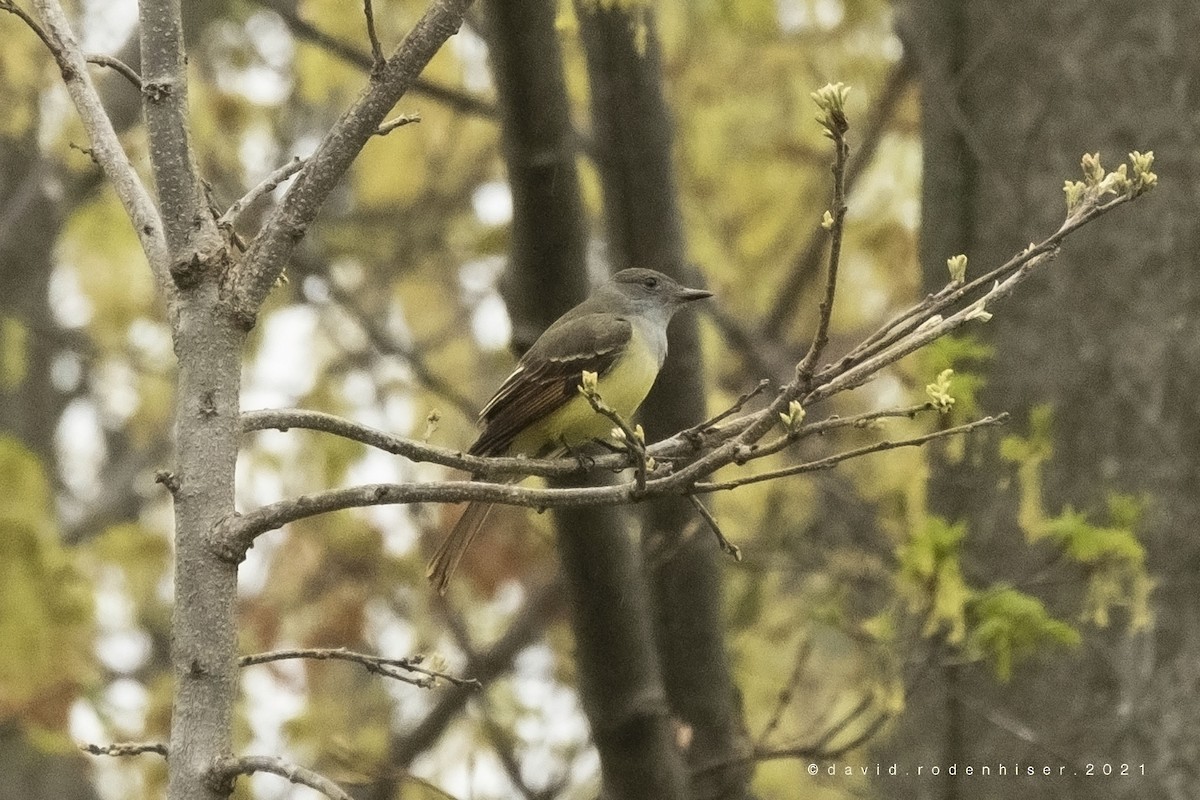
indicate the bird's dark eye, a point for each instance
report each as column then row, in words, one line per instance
column 650, row 282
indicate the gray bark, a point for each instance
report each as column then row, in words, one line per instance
column 1013, row 95
column 632, row 132
column 619, row 679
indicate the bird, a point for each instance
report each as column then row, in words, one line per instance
column 619, row 333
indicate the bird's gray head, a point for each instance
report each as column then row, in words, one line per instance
column 647, row 291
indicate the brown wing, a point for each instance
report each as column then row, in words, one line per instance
column 549, row 376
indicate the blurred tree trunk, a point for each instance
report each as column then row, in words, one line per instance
column 619, row 677
column 632, row 132
column 1108, row 336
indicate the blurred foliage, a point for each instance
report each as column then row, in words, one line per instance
column 46, row 605
column 1113, row 558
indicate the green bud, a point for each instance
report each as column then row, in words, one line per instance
column 1093, row 172
column 978, row 311
column 939, row 391
column 827, row 221
column 1143, row 179
column 589, row 383
column 958, row 268
column 1074, row 191
column 793, row 418
column 831, row 99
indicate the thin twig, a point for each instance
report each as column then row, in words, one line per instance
column 283, row 173
column 737, row 406
column 117, row 64
column 818, row 749
column 633, row 438
column 836, row 128
column 805, row 266
column 832, row 461
column 55, row 32
column 230, row 768
column 811, row 752
column 387, row 667
column 787, row 691
column 486, row 665
column 398, row 122
column 306, row 31
column 726, row 546
column 377, row 57
column 259, row 269
column 123, row 749
column 264, row 187
column 16, row 10
column 388, row 344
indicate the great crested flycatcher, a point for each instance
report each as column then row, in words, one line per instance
column 619, row 333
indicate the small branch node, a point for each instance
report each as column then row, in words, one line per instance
column 727, row 546
column 118, row 65
column 168, row 479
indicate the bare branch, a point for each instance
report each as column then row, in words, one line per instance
column 117, row 64
column 456, row 99
column 737, row 406
column 188, row 226
column 123, row 749
column 726, row 545
column 377, row 57
column 397, row 122
column 264, row 187
column 394, row 668
column 287, row 418
column 487, row 665
column 810, row 752
column 633, row 439
column 23, row 15
column 230, row 768
column 831, row 461
column 263, row 262
column 55, row 32
column 805, row 265
column 836, row 127
column 281, row 174
column 787, row 691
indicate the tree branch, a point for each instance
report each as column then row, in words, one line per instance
column 165, row 108
column 124, row 749
column 117, row 64
column 264, row 187
column 305, row 31
column 806, row 264
column 252, row 279
column 831, row 461
column 281, row 174
column 229, row 769
column 377, row 57
column 106, row 148
column 830, row 99
column 394, row 668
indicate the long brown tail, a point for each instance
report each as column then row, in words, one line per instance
column 445, row 561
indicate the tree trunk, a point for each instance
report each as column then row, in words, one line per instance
column 632, row 130
column 208, row 344
column 1108, row 336
column 619, row 677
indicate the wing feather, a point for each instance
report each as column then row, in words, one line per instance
column 548, row 376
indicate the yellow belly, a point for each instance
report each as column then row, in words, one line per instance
column 623, row 388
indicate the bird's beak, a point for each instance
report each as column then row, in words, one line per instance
column 688, row 295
